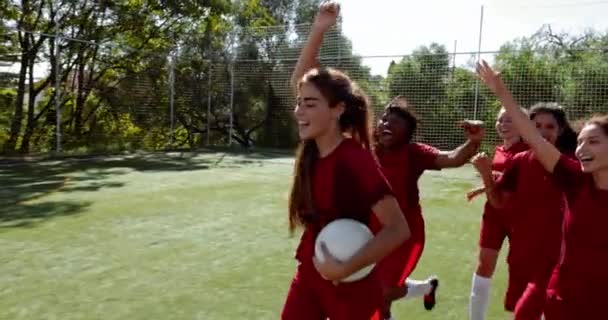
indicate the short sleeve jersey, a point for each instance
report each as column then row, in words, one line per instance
column 403, row 168
column 347, row 183
column 583, row 270
column 536, row 210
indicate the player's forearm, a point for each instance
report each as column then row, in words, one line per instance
column 479, row 190
column 495, row 196
column 387, row 240
column 547, row 153
column 459, row 156
column 465, row 152
column 308, row 55
column 475, row 193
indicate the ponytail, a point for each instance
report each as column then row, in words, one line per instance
column 356, row 117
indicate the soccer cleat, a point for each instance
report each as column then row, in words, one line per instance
column 429, row 299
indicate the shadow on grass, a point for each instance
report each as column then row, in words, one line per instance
column 26, row 215
column 25, row 181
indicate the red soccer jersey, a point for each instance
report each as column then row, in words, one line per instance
column 503, row 155
column 403, row 168
column 582, row 274
column 346, row 184
column 536, row 211
column 501, row 159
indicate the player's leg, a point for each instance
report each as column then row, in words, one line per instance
column 532, row 303
column 556, row 309
column 481, row 283
column 534, row 299
column 411, row 288
column 302, row 302
column 392, row 270
column 491, row 237
column 395, row 269
column 517, row 284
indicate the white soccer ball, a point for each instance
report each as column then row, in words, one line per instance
column 343, row 238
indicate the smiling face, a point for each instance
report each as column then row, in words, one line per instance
column 592, row 150
column 547, row 126
column 392, row 130
column 314, row 116
column 504, row 126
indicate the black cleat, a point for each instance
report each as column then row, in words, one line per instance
column 429, row 299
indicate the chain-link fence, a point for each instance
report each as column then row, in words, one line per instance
column 86, row 97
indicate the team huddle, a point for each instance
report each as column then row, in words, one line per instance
column 546, row 190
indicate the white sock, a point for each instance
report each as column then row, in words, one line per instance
column 416, row 288
column 480, row 295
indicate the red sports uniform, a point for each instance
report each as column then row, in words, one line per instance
column 403, row 168
column 346, row 184
column 536, row 210
column 495, row 226
column 578, row 286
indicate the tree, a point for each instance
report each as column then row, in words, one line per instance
column 423, row 79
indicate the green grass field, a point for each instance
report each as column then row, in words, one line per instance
column 190, row 236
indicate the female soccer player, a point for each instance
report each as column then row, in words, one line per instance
column 336, row 177
column 494, row 224
column 578, row 284
column 403, row 162
column 536, row 209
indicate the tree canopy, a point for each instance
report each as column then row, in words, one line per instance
column 228, row 62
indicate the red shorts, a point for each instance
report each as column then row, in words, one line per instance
column 527, row 290
column 576, row 297
column 558, row 308
column 311, row 297
column 516, row 286
column 494, row 228
column 399, row 264
column 532, row 302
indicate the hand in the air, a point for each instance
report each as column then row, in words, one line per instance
column 327, row 16
column 490, row 78
column 473, row 130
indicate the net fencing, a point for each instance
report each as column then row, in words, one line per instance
column 187, row 96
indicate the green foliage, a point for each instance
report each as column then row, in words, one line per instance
column 7, row 98
column 116, row 95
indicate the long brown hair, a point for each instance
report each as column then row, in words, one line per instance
column 566, row 142
column 336, row 87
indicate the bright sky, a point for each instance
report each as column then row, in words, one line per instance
column 396, row 27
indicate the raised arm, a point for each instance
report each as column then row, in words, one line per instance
column 325, row 19
column 545, row 152
column 462, row 154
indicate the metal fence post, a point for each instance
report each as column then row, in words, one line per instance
column 172, row 96
column 231, row 103
column 210, row 73
column 478, row 59
column 57, row 94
